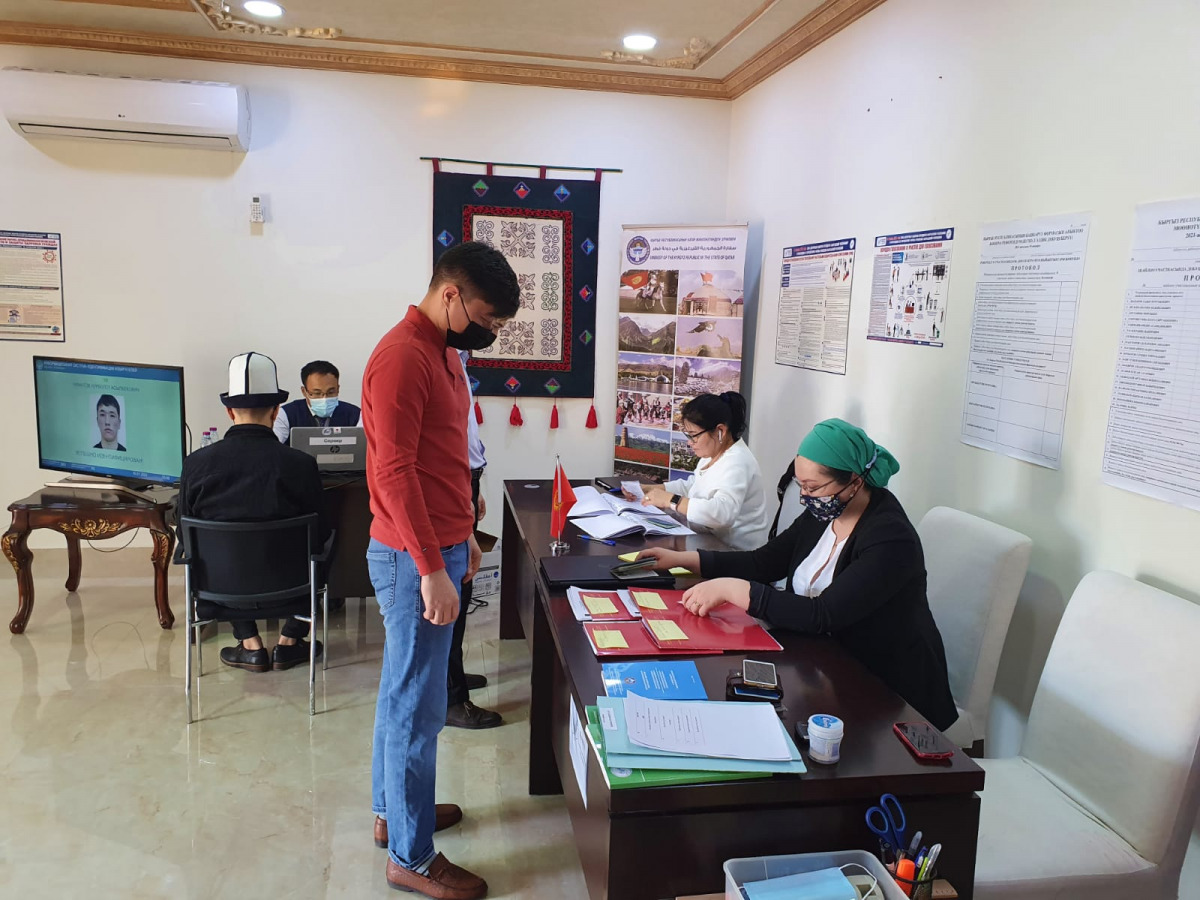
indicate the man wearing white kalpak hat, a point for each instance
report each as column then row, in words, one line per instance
column 251, row 477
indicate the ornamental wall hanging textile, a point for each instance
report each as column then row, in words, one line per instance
column 548, row 230
column 679, row 334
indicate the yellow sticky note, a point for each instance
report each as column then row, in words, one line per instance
column 648, row 600
column 666, row 630
column 680, row 570
column 629, row 557
column 609, row 640
column 599, row 605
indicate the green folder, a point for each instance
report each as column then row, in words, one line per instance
column 631, row 778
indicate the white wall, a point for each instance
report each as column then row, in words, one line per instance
column 160, row 264
column 932, row 113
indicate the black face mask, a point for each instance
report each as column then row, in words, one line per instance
column 473, row 337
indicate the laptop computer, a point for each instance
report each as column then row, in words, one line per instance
column 341, row 450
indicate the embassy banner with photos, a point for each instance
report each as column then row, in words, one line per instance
column 547, row 228
column 679, row 334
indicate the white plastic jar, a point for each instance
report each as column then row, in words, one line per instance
column 825, row 738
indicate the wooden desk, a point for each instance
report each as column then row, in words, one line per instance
column 650, row 843
column 94, row 515
column 349, row 507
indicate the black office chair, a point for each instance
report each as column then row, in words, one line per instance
column 255, row 570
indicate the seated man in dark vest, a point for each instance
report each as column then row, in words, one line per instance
column 320, row 406
column 250, row 477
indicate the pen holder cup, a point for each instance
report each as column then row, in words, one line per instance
column 916, row 888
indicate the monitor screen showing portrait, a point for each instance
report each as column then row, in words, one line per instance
column 122, row 420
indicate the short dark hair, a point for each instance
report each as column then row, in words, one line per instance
column 319, row 367
column 475, row 265
column 108, row 400
column 707, row 411
column 839, row 476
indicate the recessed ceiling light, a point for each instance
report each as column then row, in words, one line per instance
column 263, row 8
column 639, row 42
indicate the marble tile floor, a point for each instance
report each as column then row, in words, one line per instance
column 107, row 793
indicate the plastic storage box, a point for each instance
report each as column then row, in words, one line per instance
column 758, row 868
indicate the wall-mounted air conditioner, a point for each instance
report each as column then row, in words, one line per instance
column 139, row 110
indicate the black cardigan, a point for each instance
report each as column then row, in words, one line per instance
column 875, row 606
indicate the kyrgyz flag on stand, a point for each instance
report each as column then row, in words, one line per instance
column 636, row 279
column 561, row 502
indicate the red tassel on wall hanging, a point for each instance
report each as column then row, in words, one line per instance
column 554, row 415
column 478, row 413
column 591, row 418
column 514, row 417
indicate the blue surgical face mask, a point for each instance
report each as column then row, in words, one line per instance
column 824, row 884
column 323, row 407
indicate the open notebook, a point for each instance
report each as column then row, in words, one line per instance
column 622, row 524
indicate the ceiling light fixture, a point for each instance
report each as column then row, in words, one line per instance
column 263, row 8
column 639, row 42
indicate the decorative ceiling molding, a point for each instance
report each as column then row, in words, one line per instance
column 172, row 5
column 693, row 54
column 330, row 55
column 305, row 57
column 820, row 25
column 222, row 19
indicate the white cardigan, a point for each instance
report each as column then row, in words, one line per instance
column 727, row 498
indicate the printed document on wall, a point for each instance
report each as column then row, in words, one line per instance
column 1153, row 441
column 910, row 284
column 814, row 306
column 1023, row 336
column 31, row 296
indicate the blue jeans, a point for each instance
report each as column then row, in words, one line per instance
column 411, row 709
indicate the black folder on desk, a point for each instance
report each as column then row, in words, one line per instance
column 595, row 572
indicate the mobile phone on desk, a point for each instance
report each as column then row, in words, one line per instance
column 924, row 741
column 634, row 570
column 760, row 675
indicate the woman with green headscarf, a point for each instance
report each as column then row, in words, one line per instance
column 853, row 567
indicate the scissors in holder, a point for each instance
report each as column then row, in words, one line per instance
column 888, row 822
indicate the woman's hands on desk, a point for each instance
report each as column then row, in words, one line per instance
column 708, row 595
column 665, row 559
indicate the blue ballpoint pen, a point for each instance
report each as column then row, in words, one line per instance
column 585, row 537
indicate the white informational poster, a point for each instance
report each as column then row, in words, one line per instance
column 910, row 283
column 1023, row 336
column 578, row 745
column 814, row 306
column 679, row 334
column 1153, row 441
column 31, row 297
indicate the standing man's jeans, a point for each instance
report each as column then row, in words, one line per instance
column 411, row 709
column 456, row 684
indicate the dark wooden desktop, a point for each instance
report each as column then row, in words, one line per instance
column 650, row 843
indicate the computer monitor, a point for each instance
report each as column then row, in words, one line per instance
column 111, row 420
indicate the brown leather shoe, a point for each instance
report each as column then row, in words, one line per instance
column 444, row 815
column 444, row 881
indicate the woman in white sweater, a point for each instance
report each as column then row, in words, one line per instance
column 725, row 494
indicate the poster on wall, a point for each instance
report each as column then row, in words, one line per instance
column 679, row 334
column 1023, row 336
column 910, row 283
column 814, row 306
column 1153, row 442
column 31, row 291
column 547, row 229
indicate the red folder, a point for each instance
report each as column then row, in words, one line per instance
column 725, row 628
column 621, row 615
column 639, row 641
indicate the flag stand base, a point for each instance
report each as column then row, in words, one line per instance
column 559, row 548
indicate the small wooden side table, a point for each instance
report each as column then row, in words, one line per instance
column 94, row 515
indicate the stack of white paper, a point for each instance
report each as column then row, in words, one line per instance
column 727, row 730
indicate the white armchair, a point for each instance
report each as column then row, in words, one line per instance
column 1101, row 801
column 975, row 569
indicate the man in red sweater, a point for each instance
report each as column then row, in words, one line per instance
column 414, row 408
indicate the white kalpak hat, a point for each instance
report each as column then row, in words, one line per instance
column 253, row 383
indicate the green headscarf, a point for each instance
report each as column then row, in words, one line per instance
column 839, row 445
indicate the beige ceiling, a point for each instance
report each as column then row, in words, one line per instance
column 706, row 48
